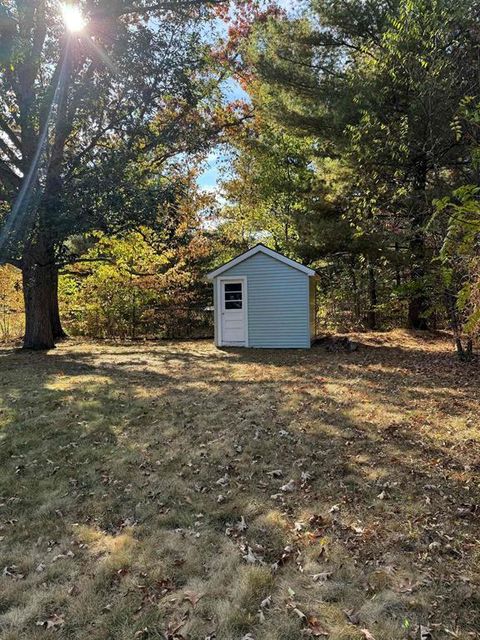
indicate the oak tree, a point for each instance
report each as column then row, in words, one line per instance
column 94, row 102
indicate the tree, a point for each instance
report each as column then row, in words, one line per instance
column 379, row 85
column 147, row 282
column 267, row 187
column 89, row 122
column 460, row 262
column 10, row 302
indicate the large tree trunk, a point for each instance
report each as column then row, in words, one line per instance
column 38, row 271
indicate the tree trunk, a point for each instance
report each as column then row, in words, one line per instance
column 38, row 273
column 372, row 298
column 417, row 307
column 57, row 329
column 356, row 297
column 398, row 277
column 419, row 303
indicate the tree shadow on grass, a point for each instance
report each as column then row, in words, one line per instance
column 117, row 463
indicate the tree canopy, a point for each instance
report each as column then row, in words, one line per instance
column 90, row 123
column 377, row 93
column 352, row 146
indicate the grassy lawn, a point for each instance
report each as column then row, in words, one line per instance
column 178, row 491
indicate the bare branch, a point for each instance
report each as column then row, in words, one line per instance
column 12, row 157
column 5, row 127
column 9, row 176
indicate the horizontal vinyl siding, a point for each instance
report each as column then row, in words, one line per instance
column 278, row 302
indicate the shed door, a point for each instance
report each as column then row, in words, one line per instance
column 233, row 312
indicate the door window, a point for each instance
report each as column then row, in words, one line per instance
column 233, row 295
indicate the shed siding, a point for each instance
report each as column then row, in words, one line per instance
column 278, row 302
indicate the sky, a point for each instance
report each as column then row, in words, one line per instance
column 208, row 180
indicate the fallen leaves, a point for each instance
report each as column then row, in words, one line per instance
column 223, row 481
column 152, row 593
column 288, row 553
column 193, row 597
column 63, row 556
column 289, row 487
column 342, row 465
column 322, row 577
column 53, row 623
column 316, row 628
column 249, row 556
column 236, row 529
column 352, row 616
column 275, row 473
column 12, row 572
column 468, row 511
column 312, row 624
column 265, row 604
column 425, row 633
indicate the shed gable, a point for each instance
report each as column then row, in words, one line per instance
column 261, row 248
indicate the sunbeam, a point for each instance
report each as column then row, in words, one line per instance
column 18, row 218
column 101, row 53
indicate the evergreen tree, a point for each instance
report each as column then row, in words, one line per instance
column 379, row 86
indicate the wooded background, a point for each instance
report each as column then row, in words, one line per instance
column 352, row 146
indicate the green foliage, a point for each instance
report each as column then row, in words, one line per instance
column 267, row 195
column 126, row 98
column 147, row 282
column 460, row 257
column 378, row 94
column 124, row 287
column 11, row 303
column 92, row 124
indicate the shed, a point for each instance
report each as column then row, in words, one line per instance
column 263, row 299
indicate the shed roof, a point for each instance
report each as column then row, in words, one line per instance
column 261, row 248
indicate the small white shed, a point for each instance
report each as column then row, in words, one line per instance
column 264, row 299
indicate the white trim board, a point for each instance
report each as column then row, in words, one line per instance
column 260, row 248
column 218, row 308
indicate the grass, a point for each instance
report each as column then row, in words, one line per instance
column 127, row 470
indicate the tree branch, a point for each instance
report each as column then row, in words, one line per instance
column 5, row 127
column 12, row 158
column 166, row 5
column 7, row 175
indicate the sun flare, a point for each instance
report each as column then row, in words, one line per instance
column 73, row 18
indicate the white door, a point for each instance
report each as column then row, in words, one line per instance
column 232, row 294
